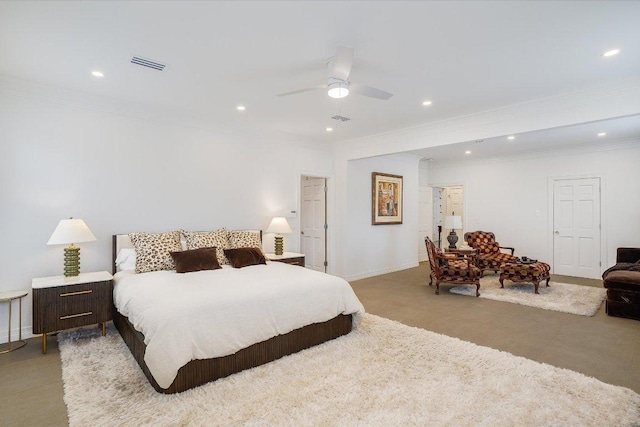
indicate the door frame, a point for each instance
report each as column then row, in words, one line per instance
column 329, row 234
column 603, row 230
column 464, row 209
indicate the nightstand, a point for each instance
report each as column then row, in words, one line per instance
column 61, row 302
column 288, row 258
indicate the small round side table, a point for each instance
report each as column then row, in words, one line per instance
column 9, row 297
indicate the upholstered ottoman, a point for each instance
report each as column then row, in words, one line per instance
column 520, row 272
column 622, row 282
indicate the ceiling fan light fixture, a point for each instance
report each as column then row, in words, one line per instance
column 338, row 90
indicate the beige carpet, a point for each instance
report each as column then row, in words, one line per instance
column 565, row 297
column 382, row 374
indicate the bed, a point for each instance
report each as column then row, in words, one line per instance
column 195, row 334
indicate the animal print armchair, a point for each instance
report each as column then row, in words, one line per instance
column 489, row 255
column 451, row 268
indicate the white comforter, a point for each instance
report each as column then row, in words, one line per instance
column 215, row 313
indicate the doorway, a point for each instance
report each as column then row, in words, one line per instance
column 446, row 201
column 313, row 222
column 577, row 227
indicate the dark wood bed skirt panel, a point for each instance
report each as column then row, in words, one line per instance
column 201, row 371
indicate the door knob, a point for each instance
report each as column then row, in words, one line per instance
column 556, row 232
column 301, row 232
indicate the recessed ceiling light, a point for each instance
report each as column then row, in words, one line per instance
column 329, row 129
column 511, row 137
column 611, row 52
column 240, row 108
column 97, row 74
column 602, row 134
column 426, row 103
column 467, row 152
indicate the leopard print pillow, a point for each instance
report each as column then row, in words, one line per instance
column 244, row 239
column 153, row 250
column 209, row 239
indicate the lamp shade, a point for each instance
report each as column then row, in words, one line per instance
column 71, row 230
column 279, row 225
column 453, row 222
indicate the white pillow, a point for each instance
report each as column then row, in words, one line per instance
column 126, row 259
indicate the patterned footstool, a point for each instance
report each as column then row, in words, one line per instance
column 518, row 272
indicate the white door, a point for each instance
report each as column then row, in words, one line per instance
column 313, row 222
column 576, row 227
column 425, row 218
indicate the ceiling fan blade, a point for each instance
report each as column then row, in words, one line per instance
column 369, row 91
column 341, row 63
column 307, row 89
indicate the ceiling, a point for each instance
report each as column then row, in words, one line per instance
column 465, row 57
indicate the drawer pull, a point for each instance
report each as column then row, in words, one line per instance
column 68, row 294
column 88, row 313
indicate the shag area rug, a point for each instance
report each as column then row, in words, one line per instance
column 382, row 374
column 565, row 297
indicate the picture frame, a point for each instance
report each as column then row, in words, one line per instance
column 386, row 199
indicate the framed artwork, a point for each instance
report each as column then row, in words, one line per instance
column 386, row 198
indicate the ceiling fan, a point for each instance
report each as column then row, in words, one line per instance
column 338, row 82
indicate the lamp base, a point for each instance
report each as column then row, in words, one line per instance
column 279, row 245
column 453, row 239
column 71, row 261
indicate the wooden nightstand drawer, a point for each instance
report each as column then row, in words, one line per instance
column 287, row 258
column 61, row 303
column 293, row 261
column 57, row 307
column 64, row 307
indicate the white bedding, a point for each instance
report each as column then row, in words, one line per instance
column 215, row 313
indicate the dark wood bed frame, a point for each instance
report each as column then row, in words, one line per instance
column 201, row 371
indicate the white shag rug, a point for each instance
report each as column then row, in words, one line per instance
column 382, row 374
column 565, row 297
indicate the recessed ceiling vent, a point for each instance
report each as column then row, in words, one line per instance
column 340, row 118
column 147, row 63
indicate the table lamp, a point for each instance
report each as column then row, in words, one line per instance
column 279, row 225
column 70, row 231
column 453, row 223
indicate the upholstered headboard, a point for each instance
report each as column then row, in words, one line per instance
column 120, row 241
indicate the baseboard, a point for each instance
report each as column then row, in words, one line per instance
column 27, row 332
column 373, row 273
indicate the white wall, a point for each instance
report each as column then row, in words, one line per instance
column 377, row 249
column 511, row 197
column 124, row 174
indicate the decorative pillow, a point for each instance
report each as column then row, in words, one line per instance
column 243, row 257
column 195, row 260
column 209, row 239
column 244, row 239
column 153, row 250
column 126, row 259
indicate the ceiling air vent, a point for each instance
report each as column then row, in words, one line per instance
column 147, row 63
column 341, row 118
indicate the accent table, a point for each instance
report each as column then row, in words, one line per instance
column 61, row 303
column 9, row 297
